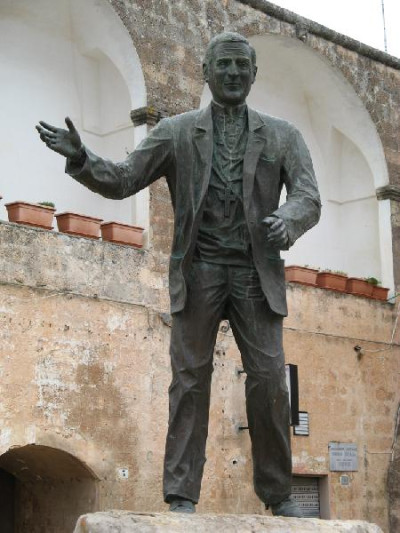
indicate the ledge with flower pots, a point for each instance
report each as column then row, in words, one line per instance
column 41, row 216
column 336, row 281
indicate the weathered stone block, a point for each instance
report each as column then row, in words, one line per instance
column 127, row 522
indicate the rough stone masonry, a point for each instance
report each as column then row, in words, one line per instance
column 127, row 522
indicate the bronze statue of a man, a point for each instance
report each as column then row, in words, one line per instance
column 225, row 167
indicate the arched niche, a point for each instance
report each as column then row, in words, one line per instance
column 296, row 84
column 66, row 58
column 49, row 488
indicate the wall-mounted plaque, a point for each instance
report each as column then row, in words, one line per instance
column 343, row 457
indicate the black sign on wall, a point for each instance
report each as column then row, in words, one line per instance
column 292, row 381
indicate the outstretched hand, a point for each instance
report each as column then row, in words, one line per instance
column 277, row 235
column 65, row 142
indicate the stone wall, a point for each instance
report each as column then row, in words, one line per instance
column 393, row 478
column 85, row 369
column 126, row 522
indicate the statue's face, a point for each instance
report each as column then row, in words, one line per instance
column 230, row 73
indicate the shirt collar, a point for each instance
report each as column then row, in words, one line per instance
column 238, row 111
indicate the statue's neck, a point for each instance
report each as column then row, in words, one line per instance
column 229, row 110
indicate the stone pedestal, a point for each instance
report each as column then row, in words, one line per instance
column 127, row 522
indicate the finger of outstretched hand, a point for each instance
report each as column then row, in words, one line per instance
column 41, row 130
column 48, row 126
column 70, row 125
column 43, row 136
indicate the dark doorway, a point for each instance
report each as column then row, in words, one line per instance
column 7, row 499
column 46, row 489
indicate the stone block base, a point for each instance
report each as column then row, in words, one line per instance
column 127, row 522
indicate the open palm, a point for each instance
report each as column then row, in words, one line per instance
column 65, row 142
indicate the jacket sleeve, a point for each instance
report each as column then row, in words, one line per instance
column 302, row 208
column 151, row 160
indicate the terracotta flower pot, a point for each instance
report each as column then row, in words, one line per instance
column 303, row 275
column 80, row 225
column 380, row 293
column 36, row 215
column 332, row 281
column 122, row 233
column 359, row 287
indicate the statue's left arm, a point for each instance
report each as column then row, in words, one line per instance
column 302, row 208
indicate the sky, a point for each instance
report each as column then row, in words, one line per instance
column 360, row 19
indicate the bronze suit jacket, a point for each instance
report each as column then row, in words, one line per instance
column 180, row 148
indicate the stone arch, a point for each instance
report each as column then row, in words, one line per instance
column 50, row 489
column 297, row 84
column 66, row 58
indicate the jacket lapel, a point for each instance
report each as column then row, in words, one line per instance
column 203, row 141
column 255, row 145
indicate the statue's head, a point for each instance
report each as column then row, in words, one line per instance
column 229, row 68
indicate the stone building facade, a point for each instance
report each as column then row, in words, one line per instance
column 85, row 324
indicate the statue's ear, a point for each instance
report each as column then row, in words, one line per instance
column 254, row 73
column 205, row 72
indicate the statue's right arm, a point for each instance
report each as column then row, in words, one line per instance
column 151, row 160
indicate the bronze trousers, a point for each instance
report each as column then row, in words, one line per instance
column 216, row 292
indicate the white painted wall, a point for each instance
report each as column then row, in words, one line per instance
column 66, row 58
column 354, row 234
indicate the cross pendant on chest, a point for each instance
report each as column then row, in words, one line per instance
column 228, row 197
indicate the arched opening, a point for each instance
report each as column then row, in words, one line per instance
column 296, row 84
column 45, row 489
column 66, row 58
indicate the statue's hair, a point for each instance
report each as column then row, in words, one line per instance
column 227, row 37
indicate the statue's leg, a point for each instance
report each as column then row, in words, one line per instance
column 193, row 336
column 258, row 333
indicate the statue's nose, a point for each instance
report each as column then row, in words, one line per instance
column 233, row 70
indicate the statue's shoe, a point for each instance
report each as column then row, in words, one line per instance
column 287, row 507
column 182, row 506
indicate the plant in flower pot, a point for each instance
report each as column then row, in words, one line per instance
column 39, row 215
column 378, row 292
column 360, row 286
column 301, row 274
column 335, row 280
column 122, row 233
column 79, row 225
